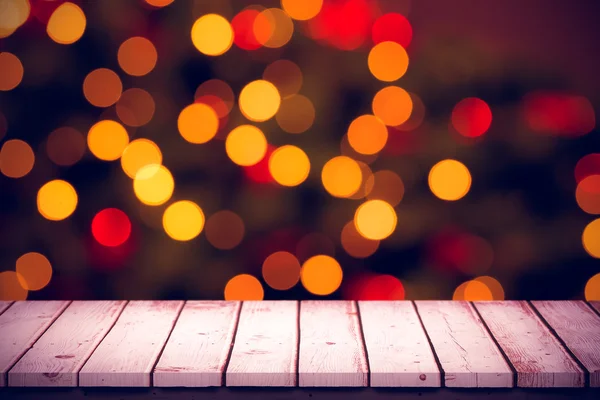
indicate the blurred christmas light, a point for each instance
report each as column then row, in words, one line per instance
column 302, row 10
column 138, row 154
column 243, row 29
column 16, row 158
column 66, row 24
column 347, row 150
column 416, row 117
column 392, row 105
column 102, row 87
column 367, row 134
column 321, row 275
column 592, row 288
column 244, row 287
column 14, row 14
column 107, row 139
column 153, row 184
column 388, row 61
column 212, row 35
column 289, row 165
column 183, row 220
column 65, row 146
column 591, row 238
column 385, row 185
column 281, row 270
column 135, row 107
column 111, row 227
column 159, row 3
column 375, row 287
column 449, row 180
column 355, row 244
column 375, row 219
column 259, row 172
column 471, row 117
column 220, row 89
column 259, row 100
column 246, row 145
column 587, row 194
column 12, row 71
column 586, row 166
column 137, row 56
column 198, row 123
column 341, row 176
column 285, row 75
column 494, row 286
column 296, row 114
column 56, row 200
column 364, row 189
column 558, row 113
column 455, row 250
column 273, row 28
column 224, row 230
column 392, row 27
column 34, row 271
column 10, row 287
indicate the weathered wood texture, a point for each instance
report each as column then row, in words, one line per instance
column 4, row 305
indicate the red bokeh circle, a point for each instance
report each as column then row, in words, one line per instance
column 111, row 227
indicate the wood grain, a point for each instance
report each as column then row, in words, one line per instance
column 197, row 351
column 398, row 351
column 128, row 353
column 536, row 355
column 4, row 305
column 331, row 348
column 59, row 354
column 20, row 326
column 579, row 328
column 265, row 352
column 467, row 353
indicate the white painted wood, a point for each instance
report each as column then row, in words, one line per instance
column 128, row 353
column 20, row 326
column 536, row 355
column 331, row 348
column 58, row 355
column 579, row 328
column 467, row 353
column 398, row 351
column 265, row 352
column 197, row 351
column 4, row 305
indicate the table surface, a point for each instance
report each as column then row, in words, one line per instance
column 454, row 344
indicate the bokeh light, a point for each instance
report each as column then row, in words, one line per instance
column 343, row 24
column 302, row 10
column 273, row 28
column 367, row 134
column 471, row 117
column 137, row 56
column 259, row 172
column 493, row 285
column 449, row 180
column 341, row 176
column 591, row 238
column 454, row 250
column 246, row 145
column 66, row 24
column 14, row 14
column 416, row 117
column 281, row 270
column 475, row 290
column 12, row 71
column 183, row 220
column 364, row 189
column 321, row 275
column 392, row 27
column 243, row 29
column 135, row 107
column 56, row 200
column 296, row 114
column 111, row 227
column 65, row 146
column 244, row 287
column 385, row 185
column 225, row 230
column 587, row 194
column 388, row 61
column 138, row 154
column 219, row 89
column 285, row 75
column 586, row 166
column 102, row 87
column 375, row 219
column 198, row 123
column 592, row 288
column 392, row 105
column 16, row 158
column 153, row 184
column 34, row 271
column 212, row 35
column 107, row 139
column 356, row 244
column 159, row 3
column 371, row 287
column 259, row 100
column 289, row 165
column 559, row 113
column 10, row 287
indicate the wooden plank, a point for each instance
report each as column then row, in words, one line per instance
column 127, row 354
column 579, row 328
column 467, row 353
column 59, row 354
column 4, row 305
column 536, row 355
column 197, row 351
column 265, row 352
column 595, row 305
column 331, row 348
column 397, row 348
column 20, row 326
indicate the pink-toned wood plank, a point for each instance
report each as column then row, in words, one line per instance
column 197, row 351
column 20, row 326
column 579, row 328
column 128, row 353
column 595, row 305
column 467, row 353
column 4, row 305
column 397, row 348
column 265, row 352
column 536, row 355
column 331, row 348
column 58, row 355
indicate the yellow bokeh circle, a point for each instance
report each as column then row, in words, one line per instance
column 246, row 145
column 138, row 154
column 388, row 61
column 183, row 220
column 341, row 176
column 56, row 200
column 212, row 34
column 591, row 238
column 302, row 10
column 592, row 288
column 367, row 134
column 107, row 140
column 289, row 165
column 321, row 275
column 449, row 180
column 34, row 271
column 66, row 24
column 375, row 219
column 244, row 287
column 198, row 123
column 153, row 184
column 393, row 105
column 259, row 100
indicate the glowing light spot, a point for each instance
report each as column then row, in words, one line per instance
column 417, row 115
column 107, row 139
column 493, row 285
column 183, row 220
column 220, row 89
column 135, row 107
column 246, row 145
column 12, row 71
column 592, row 288
column 452, row 250
column 281, row 270
column 198, row 123
column 321, row 275
column 471, row 117
column 296, row 114
column 591, row 238
column 159, row 3
column 289, row 165
column 225, row 230
column 66, row 24
column 153, row 184
column 65, row 146
column 102, row 87
column 285, row 75
column 10, row 287
column 587, row 194
column 386, row 186
column 367, row 134
column 477, row 291
column 212, row 35
column 259, row 172
column 459, row 292
column 341, row 176
column 243, row 29
column 13, row 14
column 16, row 158
column 377, row 287
column 586, row 166
column 375, row 219
column 557, row 113
column 137, row 56
column 302, row 10
column 244, row 287
column 392, row 105
column 111, row 227
column 347, row 150
column 138, row 154
column 273, row 28
column 56, row 200
column 392, row 27
column 388, row 61
column 259, row 100
column 449, row 180
column 34, row 271
column 355, row 244
column 364, row 189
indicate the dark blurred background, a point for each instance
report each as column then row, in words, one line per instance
column 518, row 233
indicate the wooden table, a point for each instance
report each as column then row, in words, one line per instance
column 289, row 349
